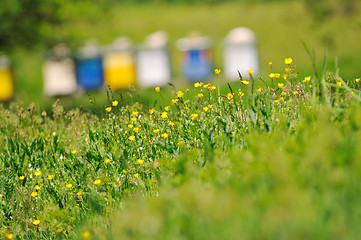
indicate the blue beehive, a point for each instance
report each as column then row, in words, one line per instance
column 196, row 58
column 89, row 69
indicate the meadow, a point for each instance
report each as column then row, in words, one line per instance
column 275, row 157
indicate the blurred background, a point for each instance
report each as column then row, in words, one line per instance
column 30, row 28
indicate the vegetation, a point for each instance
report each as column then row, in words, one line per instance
column 273, row 158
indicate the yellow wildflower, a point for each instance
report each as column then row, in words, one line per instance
column 288, row 61
column 115, row 103
column 230, row 96
column 36, row 222
column 240, row 93
column 97, row 182
column 196, row 84
column 58, row 230
column 277, row 75
column 136, row 129
column 108, row 109
column 280, row 85
column 194, row 115
column 306, row 79
column 131, row 138
column 284, row 93
column 164, row 135
column 270, row 63
column 180, row 94
column 250, row 72
column 206, row 109
column 9, row 236
column 259, row 89
column 164, row 115
column 284, row 76
column 136, row 175
column 85, row 234
column 171, row 123
column 37, row 187
column 217, row 71
column 287, row 69
column 156, row 131
column 133, row 119
column 69, row 185
column 200, row 95
column 140, row 161
column 245, row 82
column 79, row 193
column 271, row 75
column 174, row 101
column 107, row 160
column 180, row 143
column 339, row 84
column 34, row 194
column 38, row 173
column 130, row 126
column 295, row 92
column 50, row 177
column 357, row 80
column 73, row 151
column 151, row 111
column 125, row 171
column 157, row 89
column 22, row 177
column 135, row 113
column 166, row 108
column 281, row 99
column 210, row 105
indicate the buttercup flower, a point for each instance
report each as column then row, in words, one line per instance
column 34, row 194
column 50, row 177
column 69, row 185
column 180, row 94
column 108, row 109
column 131, row 138
column 36, row 222
column 288, row 61
column 245, row 82
column 196, row 84
column 280, row 85
column 38, row 173
column 217, row 71
column 115, row 103
column 140, row 161
column 157, row 89
column 250, row 72
column 97, row 182
column 22, row 177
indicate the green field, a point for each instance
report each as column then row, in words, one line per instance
column 280, row 27
column 272, row 160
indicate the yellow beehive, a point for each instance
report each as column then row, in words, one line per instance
column 6, row 84
column 119, row 70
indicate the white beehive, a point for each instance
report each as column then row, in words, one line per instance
column 152, row 61
column 240, row 53
column 59, row 72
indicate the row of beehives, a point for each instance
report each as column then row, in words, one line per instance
column 119, row 65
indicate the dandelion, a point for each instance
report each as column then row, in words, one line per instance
column 174, row 101
column 151, row 111
column 295, row 92
column 58, row 230
column 130, row 126
column 306, row 79
column 270, row 63
column 259, row 89
column 136, row 175
column 37, row 187
column 171, row 123
column 133, row 119
column 85, row 234
column 50, row 177
column 245, row 82
column 131, row 138
column 357, row 80
column 22, row 177
column 36, row 222
column 69, row 185
column 115, row 103
column 200, row 95
column 280, row 85
column 157, row 89
column 339, row 84
column 140, row 161
column 194, row 115
column 38, row 173
column 164, row 115
column 79, row 193
column 164, row 135
column 156, row 131
column 205, row 109
column 271, row 75
column 136, row 129
column 217, row 71
column 166, row 108
column 180, row 94
column 250, row 72
column 196, row 84
column 107, row 160
column 288, row 61
column 73, row 151
column 9, row 236
column 108, row 109
column 97, row 182
column 34, row 194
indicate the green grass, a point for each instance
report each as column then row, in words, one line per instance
column 280, row 28
column 281, row 162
